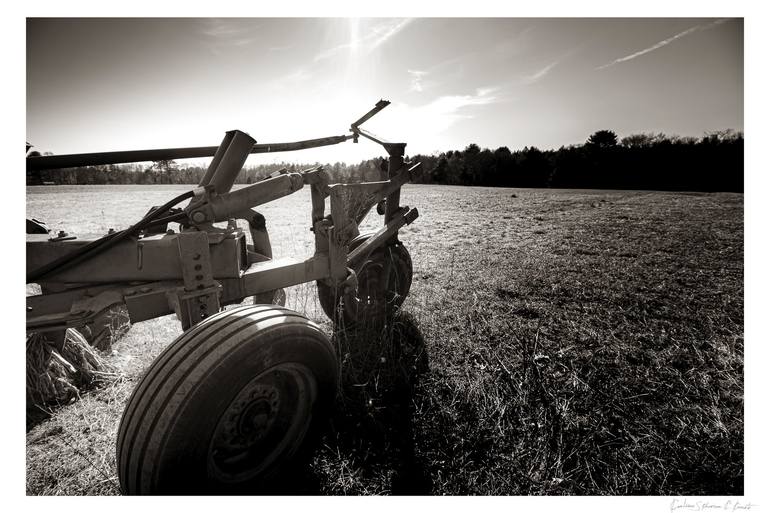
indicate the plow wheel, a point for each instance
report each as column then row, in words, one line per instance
column 229, row 406
column 384, row 281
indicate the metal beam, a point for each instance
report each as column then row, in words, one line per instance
column 273, row 274
column 122, row 157
column 232, row 161
column 146, row 259
column 377, row 108
column 403, row 216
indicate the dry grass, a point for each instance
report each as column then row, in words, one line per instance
column 57, row 375
column 554, row 342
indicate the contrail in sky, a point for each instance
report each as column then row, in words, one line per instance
column 531, row 79
column 392, row 31
column 663, row 43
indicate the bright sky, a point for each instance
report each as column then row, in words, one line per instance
column 113, row 84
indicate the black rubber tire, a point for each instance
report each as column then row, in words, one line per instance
column 352, row 307
column 229, row 406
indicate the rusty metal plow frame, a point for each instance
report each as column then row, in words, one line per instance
column 195, row 272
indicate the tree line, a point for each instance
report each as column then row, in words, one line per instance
column 713, row 162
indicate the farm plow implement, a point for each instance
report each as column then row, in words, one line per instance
column 242, row 393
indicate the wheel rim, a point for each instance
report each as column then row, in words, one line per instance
column 265, row 423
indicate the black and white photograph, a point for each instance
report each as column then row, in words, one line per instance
column 295, row 255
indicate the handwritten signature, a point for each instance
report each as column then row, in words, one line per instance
column 682, row 505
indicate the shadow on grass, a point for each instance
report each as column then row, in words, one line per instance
column 35, row 415
column 371, row 433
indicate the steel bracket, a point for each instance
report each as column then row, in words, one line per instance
column 199, row 297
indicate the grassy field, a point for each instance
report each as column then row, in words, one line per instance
column 554, row 342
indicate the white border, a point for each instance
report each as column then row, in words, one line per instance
column 756, row 278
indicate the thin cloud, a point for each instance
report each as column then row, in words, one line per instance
column 420, row 81
column 227, row 30
column 218, row 28
column 428, row 122
column 451, row 105
column 417, row 77
column 540, row 74
column 437, row 116
column 663, row 43
column 485, row 92
column 331, row 52
column 391, row 31
column 375, row 38
column 228, row 33
column 299, row 75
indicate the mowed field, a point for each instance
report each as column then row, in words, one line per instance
column 554, row 342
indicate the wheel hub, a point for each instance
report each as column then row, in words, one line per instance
column 264, row 422
column 250, row 416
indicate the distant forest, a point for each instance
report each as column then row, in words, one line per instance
column 713, row 162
